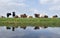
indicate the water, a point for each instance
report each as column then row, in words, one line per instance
column 29, row 32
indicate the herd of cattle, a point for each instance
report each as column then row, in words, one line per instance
column 25, row 16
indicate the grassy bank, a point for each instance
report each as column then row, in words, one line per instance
column 30, row 21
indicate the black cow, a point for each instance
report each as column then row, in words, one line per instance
column 13, row 14
column 45, row 16
column 8, row 14
column 37, row 15
column 55, row 16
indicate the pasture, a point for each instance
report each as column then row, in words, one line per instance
column 50, row 22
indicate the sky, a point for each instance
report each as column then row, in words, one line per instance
column 30, row 7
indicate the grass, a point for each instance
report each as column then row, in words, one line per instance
column 30, row 22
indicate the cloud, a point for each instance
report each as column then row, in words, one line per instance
column 44, row 1
column 54, row 8
column 11, row 2
column 11, row 5
column 19, row 1
column 49, row 1
column 25, row 6
column 36, row 11
column 17, row 4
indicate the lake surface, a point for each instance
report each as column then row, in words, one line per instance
column 29, row 32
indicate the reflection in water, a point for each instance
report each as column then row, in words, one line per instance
column 29, row 32
column 8, row 28
column 45, row 27
column 24, row 27
column 36, row 27
column 13, row 28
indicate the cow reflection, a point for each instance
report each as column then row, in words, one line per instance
column 36, row 27
column 13, row 28
column 45, row 27
column 24, row 27
column 8, row 28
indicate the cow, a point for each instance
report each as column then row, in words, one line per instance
column 13, row 14
column 23, row 16
column 16, row 16
column 8, row 14
column 55, row 16
column 30, row 17
column 2, row 17
column 45, row 16
column 37, row 15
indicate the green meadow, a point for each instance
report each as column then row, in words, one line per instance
column 54, row 22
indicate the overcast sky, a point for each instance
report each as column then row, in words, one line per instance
column 48, row 7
